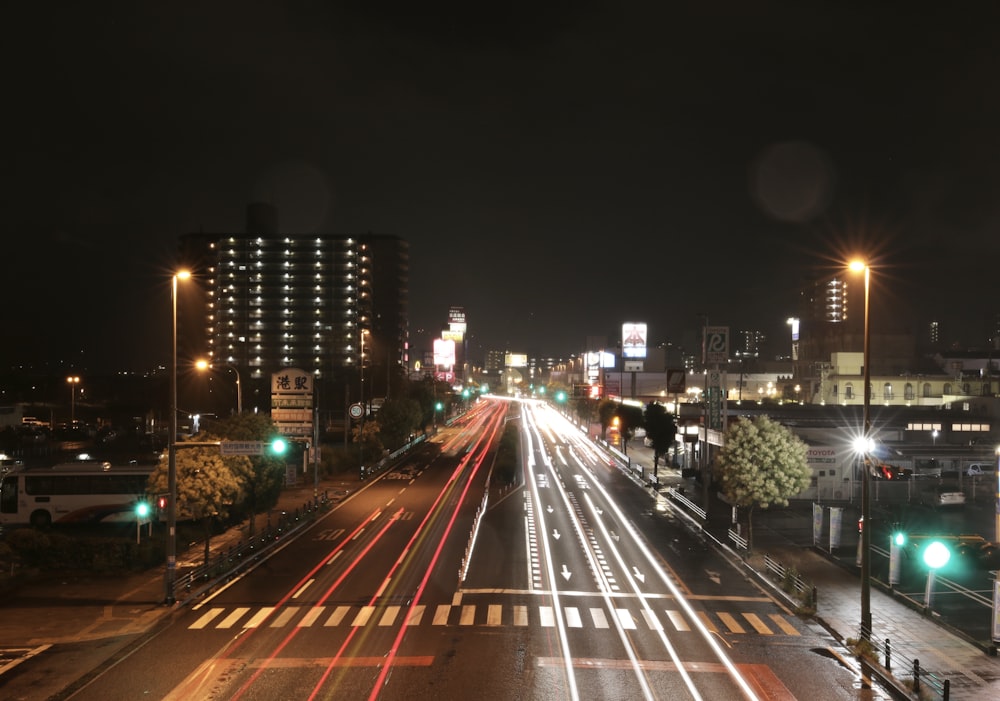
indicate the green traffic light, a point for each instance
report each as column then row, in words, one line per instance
column 142, row 509
column 279, row 446
column 936, row 554
column 899, row 539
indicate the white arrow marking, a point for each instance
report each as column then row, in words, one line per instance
column 565, row 573
column 714, row 576
column 549, row 509
column 640, row 577
column 555, row 534
column 614, row 536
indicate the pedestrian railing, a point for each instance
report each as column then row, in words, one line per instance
column 678, row 496
column 227, row 563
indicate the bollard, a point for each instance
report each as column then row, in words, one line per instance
column 947, row 690
column 815, row 601
column 916, row 677
column 888, row 656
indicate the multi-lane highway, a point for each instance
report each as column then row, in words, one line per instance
column 437, row 582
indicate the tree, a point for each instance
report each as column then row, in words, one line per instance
column 606, row 409
column 261, row 478
column 660, row 429
column 629, row 419
column 207, row 483
column 397, row 420
column 761, row 463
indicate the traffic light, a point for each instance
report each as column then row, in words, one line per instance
column 899, row 539
column 161, row 502
column 560, row 396
column 142, row 510
column 935, row 554
column 278, row 446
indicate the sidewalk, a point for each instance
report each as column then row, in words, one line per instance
column 971, row 672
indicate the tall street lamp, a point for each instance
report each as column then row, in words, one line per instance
column 171, row 572
column 361, row 429
column 73, row 381
column 866, row 521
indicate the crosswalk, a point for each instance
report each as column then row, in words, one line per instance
column 491, row 615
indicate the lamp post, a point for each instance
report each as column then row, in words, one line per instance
column 73, row 381
column 866, row 529
column 171, row 571
column 205, row 365
column 361, row 425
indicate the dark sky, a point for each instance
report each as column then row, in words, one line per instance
column 558, row 168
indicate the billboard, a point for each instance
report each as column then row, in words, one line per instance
column 453, row 335
column 633, row 340
column 516, row 360
column 444, row 352
column 456, row 319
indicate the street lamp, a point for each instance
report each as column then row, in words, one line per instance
column 205, row 365
column 171, row 572
column 73, row 381
column 361, row 429
column 866, row 530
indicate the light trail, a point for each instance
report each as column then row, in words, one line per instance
column 605, row 593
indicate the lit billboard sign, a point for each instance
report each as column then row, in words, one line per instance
column 516, row 360
column 444, row 352
column 633, row 340
column 453, row 335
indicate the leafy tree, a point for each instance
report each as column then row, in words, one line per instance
column 586, row 409
column 629, row 419
column 261, row 477
column 762, row 463
column 606, row 411
column 661, row 430
column 207, row 483
column 397, row 420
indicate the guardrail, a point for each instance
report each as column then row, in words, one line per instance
column 234, row 559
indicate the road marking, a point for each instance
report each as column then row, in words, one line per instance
column 441, row 615
column 230, row 620
column 625, row 618
column 785, row 626
column 651, row 620
column 363, row 615
column 206, row 618
column 284, row 617
column 389, row 617
column 546, row 617
column 678, row 620
column 311, row 616
column 468, row 616
column 337, row 616
column 494, row 615
column 573, row 617
column 731, row 623
column 259, row 617
column 758, row 625
column 520, row 615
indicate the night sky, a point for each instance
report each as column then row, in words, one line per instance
column 558, row 168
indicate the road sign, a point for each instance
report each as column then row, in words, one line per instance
column 676, row 381
column 241, row 448
column 716, row 344
column 356, row 411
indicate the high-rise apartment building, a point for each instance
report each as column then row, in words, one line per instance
column 324, row 303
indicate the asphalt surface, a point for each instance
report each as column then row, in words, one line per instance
column 100, row 617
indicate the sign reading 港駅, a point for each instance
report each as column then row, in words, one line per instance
column 292, row 401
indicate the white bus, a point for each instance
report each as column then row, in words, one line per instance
column 72, row 493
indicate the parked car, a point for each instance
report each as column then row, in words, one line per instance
column 976, row 469
column 948, row 497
